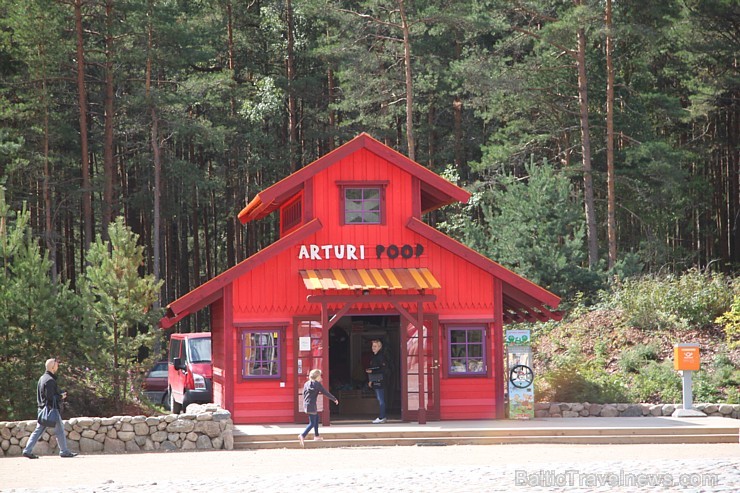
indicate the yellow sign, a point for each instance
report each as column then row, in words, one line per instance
column 686, row 357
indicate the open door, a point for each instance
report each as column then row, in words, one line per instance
column 309, row 355
column 420, row 379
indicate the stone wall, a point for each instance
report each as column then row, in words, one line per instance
column 585, row 409
column 203, row 427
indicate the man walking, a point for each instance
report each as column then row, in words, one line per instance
column 47, row 393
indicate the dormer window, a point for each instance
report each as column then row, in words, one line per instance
column 363, row 203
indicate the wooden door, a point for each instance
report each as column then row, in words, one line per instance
column 309, row 354
column 420, row 388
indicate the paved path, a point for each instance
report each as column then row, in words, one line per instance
column 482, row 468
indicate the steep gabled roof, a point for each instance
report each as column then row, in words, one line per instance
column 210, row 291
column 435, row 190
column 524, row 301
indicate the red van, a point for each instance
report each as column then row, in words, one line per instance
column 189, row 370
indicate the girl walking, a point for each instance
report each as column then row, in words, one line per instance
column 311, row 390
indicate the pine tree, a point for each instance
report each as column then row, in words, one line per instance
column 38, row 319
column 121, row 302
column 533, row 225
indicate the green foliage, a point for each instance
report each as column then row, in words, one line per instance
column 121, row 303
column 634, row 359
column 692, row 299
column 718, row 382
column 573, row 377
column 487, row 97
column 731, row 322
column 656, row 382
column 534, row 226
column 581, row 382
column 622, row 367
column 38, row 319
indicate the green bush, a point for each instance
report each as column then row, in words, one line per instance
column 656, row 382
column 731, row 322
column 580, row 382
column 566, row 384
column 718, row 382
column 732, row 395
column 634, row 359
column 704, row 390
column 693, row 299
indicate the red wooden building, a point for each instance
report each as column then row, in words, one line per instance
column 355, row 262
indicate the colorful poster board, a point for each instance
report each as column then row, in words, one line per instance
column 518, row 337
column 520, row 376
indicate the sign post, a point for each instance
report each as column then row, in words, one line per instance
column 686, row 360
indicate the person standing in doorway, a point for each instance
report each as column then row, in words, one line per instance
column 378, row 375
column 48, row 393
column 311, row 390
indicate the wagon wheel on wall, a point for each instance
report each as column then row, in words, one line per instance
column 521, row 376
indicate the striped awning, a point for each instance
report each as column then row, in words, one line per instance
column 352, row 279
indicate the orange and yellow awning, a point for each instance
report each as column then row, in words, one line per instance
column 354, row 279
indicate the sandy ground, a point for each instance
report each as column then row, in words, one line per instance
column 696, row 467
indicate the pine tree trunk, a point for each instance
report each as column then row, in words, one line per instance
column 46, row 186
column 733, row 175
column 610, row 175
column 290, row 72
column 195, row 218
column 432, row 136
column 409, row 82
column 108, row 154
column 207, row 231
column 457, row 107
column 457, row 118
column 332, row 114
column 230, row 36
column 156, row 157
column 116, row 374
column 588, row 187
column 87, row 215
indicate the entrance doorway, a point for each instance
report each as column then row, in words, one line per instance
column 350, row 341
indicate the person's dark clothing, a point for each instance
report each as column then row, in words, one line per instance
column 379, row 365
column 47, row 391
column 311, row 391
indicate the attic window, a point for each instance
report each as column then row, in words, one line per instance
column 363, row 203
column 291, row 215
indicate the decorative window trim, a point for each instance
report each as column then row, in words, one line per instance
column 291, row 214
column 269, row 331
column 466, row 360
column 344, row 185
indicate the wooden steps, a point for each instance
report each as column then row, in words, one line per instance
column 381, row 436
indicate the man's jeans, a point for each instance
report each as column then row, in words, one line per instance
column 380, row 395
column 58, row 430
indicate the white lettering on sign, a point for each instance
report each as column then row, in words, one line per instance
column 351, row 249
column 328, row 252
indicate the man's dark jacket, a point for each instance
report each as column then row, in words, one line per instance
column 47, row 391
